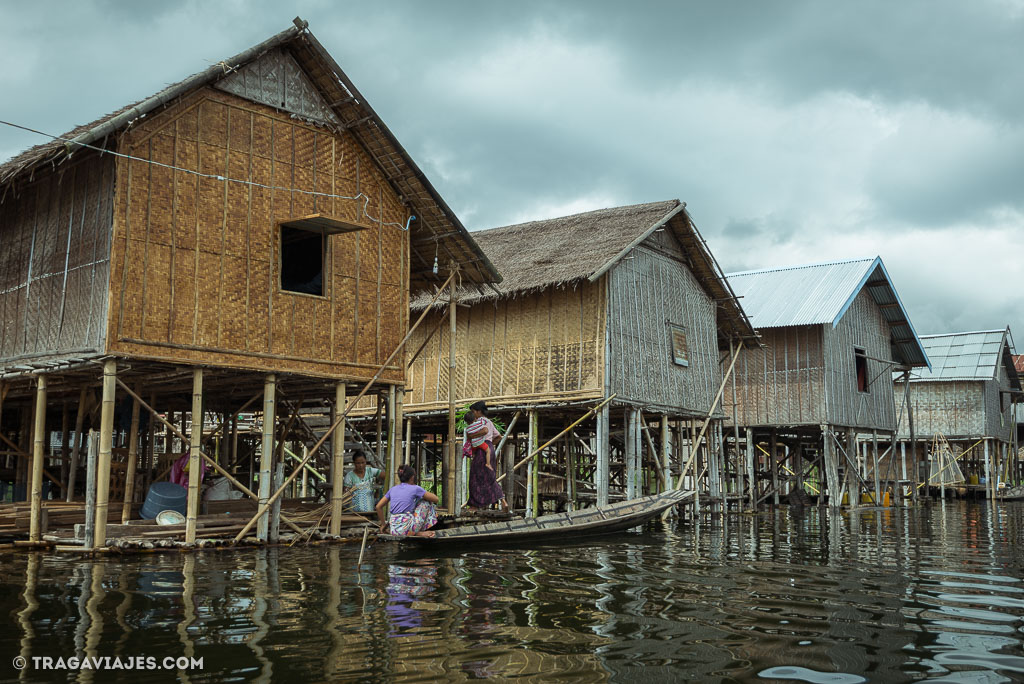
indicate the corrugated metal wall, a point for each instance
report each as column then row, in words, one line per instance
column 863, row 327
column 55, row 262
column 783, row 383
column 647, row 290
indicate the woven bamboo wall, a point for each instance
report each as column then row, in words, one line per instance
column 956, row 409
column 195, row 261
column 649, row 289
column 862, row 326
column 538, row 347
column 782, row 383
column 54, row 261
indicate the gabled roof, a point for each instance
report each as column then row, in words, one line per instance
column 436, row 223
column 569, row 249
column 819, row 294
column 969, row 356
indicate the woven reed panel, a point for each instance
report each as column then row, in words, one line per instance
column 522, row 350
column 55, row 233
column 212, row 266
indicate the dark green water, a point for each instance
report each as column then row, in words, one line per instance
column 930, row 593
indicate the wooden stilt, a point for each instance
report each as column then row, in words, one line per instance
column 195, row 467
column 274, row 526
column 532, row 440
column 773, row 455
column 393, row 428
column 835, row 497
column 105, row 447
column 666, row 455
column 38, row 441
column 629, row 418
column 91, row 459
column 133, row 457
column 65, row 446
column 451, row 499
column 601, row 472
column 338, row 461
column 267, row 453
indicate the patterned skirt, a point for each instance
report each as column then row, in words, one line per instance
column 484, row 489
column 423, row 517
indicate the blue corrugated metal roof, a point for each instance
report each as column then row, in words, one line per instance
column 819, row 294
column 963, row 356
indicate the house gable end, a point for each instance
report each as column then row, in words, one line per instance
column 276, row 80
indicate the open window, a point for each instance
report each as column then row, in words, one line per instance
column 304, row 252
column 860, row 361
column 680, row 351
column 302, row 261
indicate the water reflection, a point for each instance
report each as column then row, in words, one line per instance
column 891, row 595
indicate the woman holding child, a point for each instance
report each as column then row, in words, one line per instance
column 481, row 437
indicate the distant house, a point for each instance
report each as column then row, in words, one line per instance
column 966, row 401
column 832, row 335
column 626, row 302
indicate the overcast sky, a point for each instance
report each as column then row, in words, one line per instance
column 795, row 131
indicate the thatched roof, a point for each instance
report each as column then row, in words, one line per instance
column 562, row 251
column 436, row 223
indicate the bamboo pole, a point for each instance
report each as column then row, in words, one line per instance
column 174, row 431
column 338, row 458
column 344, row 414
column 534, row 452
column 601, row 466
column 267, row 454
column 106, row 443
column 133, row 457
column 91, row 457
column 194, row 462
column 38, row 439
column 65, row 445
column 451, row 493
column 707, row 419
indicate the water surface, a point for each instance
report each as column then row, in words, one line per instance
column 894, row 595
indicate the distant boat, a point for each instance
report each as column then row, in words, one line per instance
column 583, row 523
column 1010, row 494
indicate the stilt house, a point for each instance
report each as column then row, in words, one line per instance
column 832, row 333
column 251, row 232
column 626, row 303
column 963, row 409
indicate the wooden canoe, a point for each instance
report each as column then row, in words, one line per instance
column 583, row 523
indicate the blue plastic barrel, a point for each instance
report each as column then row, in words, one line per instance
column 164, row 496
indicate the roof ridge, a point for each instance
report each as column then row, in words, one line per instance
column 965, row 332
column 797, row 267
column 674, row 202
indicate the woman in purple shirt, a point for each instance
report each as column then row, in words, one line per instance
column 412, row 507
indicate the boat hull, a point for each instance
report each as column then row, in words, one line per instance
column 584, row 523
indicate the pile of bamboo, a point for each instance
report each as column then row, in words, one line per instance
column 14, row 517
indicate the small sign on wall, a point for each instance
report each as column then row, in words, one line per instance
column 680, row 352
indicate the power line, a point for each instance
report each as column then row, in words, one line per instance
column 217, row 177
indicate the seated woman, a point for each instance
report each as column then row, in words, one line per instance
column 360, row 481
column 412, row 507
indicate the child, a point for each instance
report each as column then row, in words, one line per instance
column 478, row 432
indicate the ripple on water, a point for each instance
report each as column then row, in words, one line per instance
column 927, row 593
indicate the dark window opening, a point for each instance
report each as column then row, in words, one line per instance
column 302, row 261
column 861, row 364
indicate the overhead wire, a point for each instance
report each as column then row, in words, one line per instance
column 223, row 179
